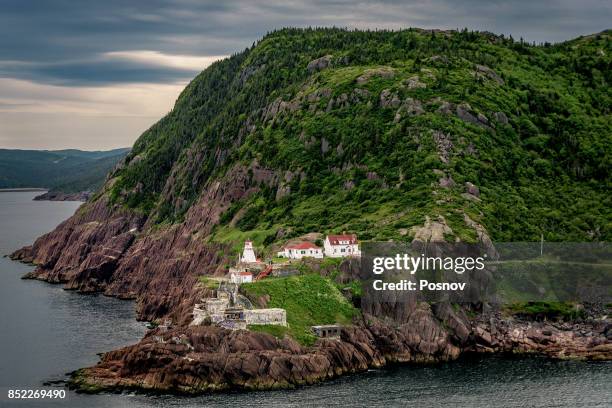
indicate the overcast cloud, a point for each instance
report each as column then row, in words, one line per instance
column 95, row 74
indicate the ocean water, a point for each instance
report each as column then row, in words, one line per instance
column 46, row 332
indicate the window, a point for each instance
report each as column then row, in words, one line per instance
column 342, row 250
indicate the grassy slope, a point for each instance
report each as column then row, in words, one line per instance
column 308, row 299
column 546, row 171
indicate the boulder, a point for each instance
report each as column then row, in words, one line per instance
column 383, row 72
column 472, row 189
column 319, row 63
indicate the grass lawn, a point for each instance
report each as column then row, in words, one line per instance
column 308, row 299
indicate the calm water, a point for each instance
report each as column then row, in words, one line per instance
column 46, row 332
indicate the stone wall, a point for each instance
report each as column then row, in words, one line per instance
column 216, row 306
column 266, row 316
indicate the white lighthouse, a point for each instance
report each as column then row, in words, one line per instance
column 248, row 255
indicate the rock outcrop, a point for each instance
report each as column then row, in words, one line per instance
column 61, row 196
column 205, row 358
column 102, row 249
column 319, row 63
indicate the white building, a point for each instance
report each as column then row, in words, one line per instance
column 338, row 246
column 301, row 250
column 248, row 254
column 275, row 316
column 241, row 277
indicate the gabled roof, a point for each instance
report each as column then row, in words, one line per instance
column 242, row 273
column 336, row 239
column 302, row 245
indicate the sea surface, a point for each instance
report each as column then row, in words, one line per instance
column 46, row 332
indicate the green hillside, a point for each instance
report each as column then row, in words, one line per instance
column 373, row 132
column 308, row 299
column 67, row 171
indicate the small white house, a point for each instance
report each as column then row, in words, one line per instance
column 301, row 250
column 238, row 277
column 339, row 246
column 248, row 254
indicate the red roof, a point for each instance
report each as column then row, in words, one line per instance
column 335, row 239
column 242, row 273
column 302, row 245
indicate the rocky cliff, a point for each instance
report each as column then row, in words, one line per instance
column 205, row 358
column 411, row 135
column 61, row 196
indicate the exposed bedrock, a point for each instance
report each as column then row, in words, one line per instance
column 110, row 249
column 206, row 358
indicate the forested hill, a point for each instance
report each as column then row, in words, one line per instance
column 67, row 171
column 377, row 132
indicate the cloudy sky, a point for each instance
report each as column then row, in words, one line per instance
column 94, row 74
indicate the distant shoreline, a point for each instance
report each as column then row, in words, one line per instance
column 25, row 189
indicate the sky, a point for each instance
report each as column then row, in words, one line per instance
column 94, row 75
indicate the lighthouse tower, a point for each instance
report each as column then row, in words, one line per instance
column 248, row 255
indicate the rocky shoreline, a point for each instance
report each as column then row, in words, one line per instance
column 102, row 249
column 199, row 359
column 61, row 196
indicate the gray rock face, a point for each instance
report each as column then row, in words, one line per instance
column 464, row 112
column 319, row 94
column 501, row 117
column 439, row 59
column 359, row 94
column 383, row 72
column 446, row 182
column 249, row 71
column 389, row 99
column 414, row 83
column 340, row 150
column 411, row 107
column 279, row 106
column 283, row 191
column 489, row 73
column 324, row 146
column 446, row 108
column 319, row 63
column 348, row 184
column 444, row 145
column 472, row 189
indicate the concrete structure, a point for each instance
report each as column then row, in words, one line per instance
column 233, row 313
column 339, row 246
column 199, row 315
column 301, row 250
column 211, row 309
column 248, row 253
column 233, row 324
column 273, row 316
column 327, row 331
column 216, row 306
column 238, row 277
column 285, row 270
column 224, row 312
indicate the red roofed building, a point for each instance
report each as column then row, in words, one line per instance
column 338, row 246
column 301, row 250
column 239, row 277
